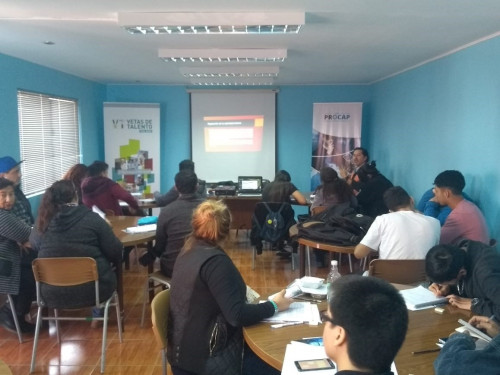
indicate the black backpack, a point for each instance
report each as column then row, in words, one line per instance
column 346, row 230
column 272, row 228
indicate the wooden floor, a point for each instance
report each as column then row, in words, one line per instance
column 79, row 352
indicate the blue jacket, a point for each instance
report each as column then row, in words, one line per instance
column 459, row 356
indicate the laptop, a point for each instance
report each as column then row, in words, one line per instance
column 249, row 185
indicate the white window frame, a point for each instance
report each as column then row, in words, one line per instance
column 49, row 138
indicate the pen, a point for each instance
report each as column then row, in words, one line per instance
column 426, row 351
column 285, row 324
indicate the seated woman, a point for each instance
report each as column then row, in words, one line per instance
column 77, row 174
column 14, row 280
column 65, row 229
column 332, row 191
column 208, row 300
column 371, row 190
column 103, row 192
column 281, row 189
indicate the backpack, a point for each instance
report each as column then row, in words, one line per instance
column 346, row 230
column 274, row 224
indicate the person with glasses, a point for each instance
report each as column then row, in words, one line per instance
column 365, row 325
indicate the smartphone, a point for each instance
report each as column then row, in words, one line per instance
column 315, row 364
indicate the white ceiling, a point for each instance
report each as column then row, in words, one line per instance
column 342, row 41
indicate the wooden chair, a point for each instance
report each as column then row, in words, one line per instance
column 154, row 280
column 159, row 317
column 399, row 271
column 65, row 272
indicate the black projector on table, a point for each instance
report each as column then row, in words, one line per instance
column 225, row 190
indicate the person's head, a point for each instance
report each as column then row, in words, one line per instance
column 76, row 173
column 396, row 198
column 367, row 323
column 61, row 193
column 282, row 176
column 331, row 184
column 7, row 195
column 445, row 264
column 360, row 156
column 447, row 184
column 328, row 175
column 11, row 169
column 367, row 171
column 211, row 222
column 186, row 165
column 186, row 182
column 98, row 168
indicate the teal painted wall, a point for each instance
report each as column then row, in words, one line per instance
column 443, row 115
column 17, row 74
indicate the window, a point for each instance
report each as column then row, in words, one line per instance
column 49, row 139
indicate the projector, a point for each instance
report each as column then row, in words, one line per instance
column 225, row 190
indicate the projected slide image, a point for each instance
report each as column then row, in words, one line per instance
column 233, row 133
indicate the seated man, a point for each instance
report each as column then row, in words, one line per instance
column 465, row 220
column 468, row 275
column 103, row 192
column 163, row 199
column 403, row 233
column 459, row 354
column 174, row 223
column 429, row 207
column 365, row 326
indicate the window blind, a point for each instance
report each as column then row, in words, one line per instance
column 49, row 139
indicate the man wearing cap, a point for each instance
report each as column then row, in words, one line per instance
column 11, row 170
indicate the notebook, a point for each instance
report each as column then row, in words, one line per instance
column 249, row 185
column 421, row 297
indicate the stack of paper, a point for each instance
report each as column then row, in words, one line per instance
column 298, row 312
column 421, row 298
column 296, row 351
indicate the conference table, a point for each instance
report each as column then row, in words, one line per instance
column 424, row 329
column 119, row 224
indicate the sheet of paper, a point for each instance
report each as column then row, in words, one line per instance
column 141, row 229
column 421, row 298
column 298, row 351
column 298, row 312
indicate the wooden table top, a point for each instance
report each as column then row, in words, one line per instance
column 119, row 223
column 424, row 330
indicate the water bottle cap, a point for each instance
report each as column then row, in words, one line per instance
column 334, row 263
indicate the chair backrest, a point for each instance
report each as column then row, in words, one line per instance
column 66, row 271
column 260, row 215
column 399, row 271
column 159, row 316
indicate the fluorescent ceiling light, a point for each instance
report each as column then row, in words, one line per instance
column 222, row 55
column 230, row 71
column 212, row 23
column 233, row 81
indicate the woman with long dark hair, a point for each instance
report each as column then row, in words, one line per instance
column 66, row 229
column 370, row 194
column 282, row 189
column 77, row 174
column 332, row 191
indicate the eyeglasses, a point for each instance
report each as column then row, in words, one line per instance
column 325, row 318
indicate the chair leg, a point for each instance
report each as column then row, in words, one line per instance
column 145, row 300
column 308, row 259
column 104, row 336
column 118, row 316
column 14, row 316
column 254, row 253
column 58, row 331
column 35, row 342
column 350, row 262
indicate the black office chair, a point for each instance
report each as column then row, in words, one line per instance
column 276, row 235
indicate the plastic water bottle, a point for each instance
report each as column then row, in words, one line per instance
column 333, row 275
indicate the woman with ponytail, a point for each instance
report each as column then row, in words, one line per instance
column 66, row 229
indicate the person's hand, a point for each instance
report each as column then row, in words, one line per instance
column 343, row 172
column 281, row 301
column 485, row 324
column 147, row 258
column 460, row 302
column 439, row 290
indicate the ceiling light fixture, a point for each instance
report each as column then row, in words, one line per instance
column 230, row 71
column 212, row 23
column 233, row 81
column 222, row 55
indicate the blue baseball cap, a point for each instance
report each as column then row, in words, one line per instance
column 7, row 163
